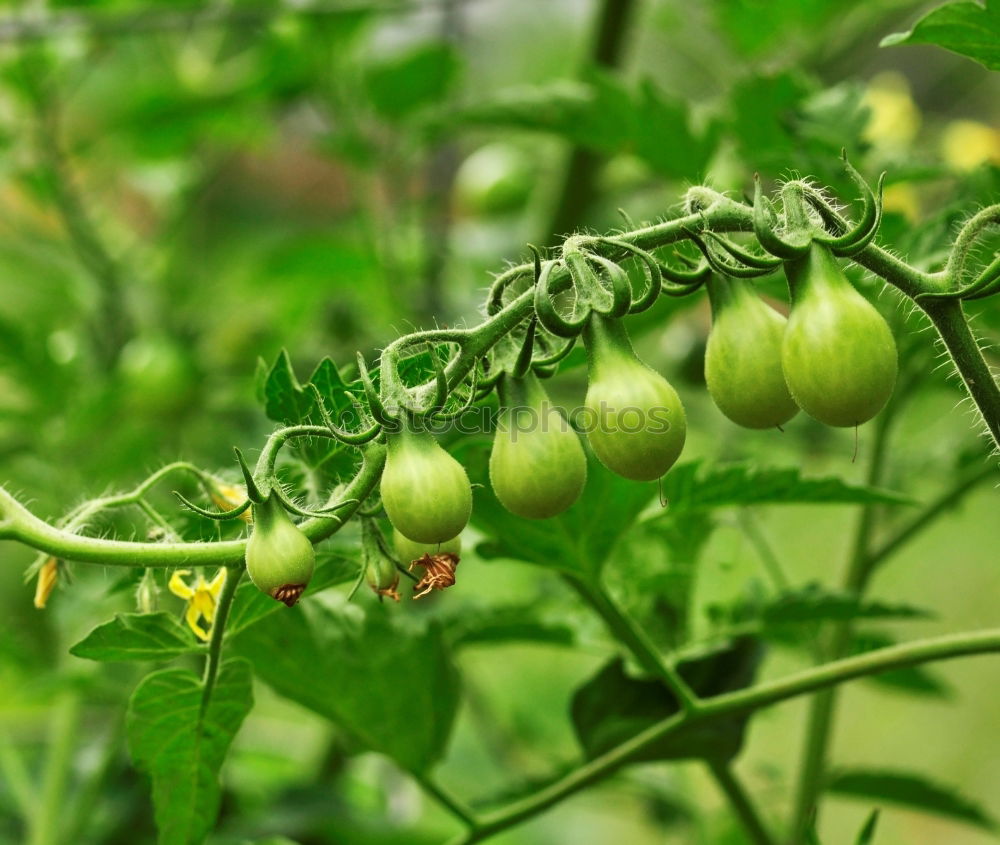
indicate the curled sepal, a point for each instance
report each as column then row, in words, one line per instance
column 280, row 558
column 523, row 363
column 375, row 406
column 621, row 287
column 291, row 507
column 494, row 300
column 254, row 493
column 651, row 272
column 553, row 358
column 351, row 438
column 861, row 234
column 721, row 267
column 545, row 309
column 474, row 396
column 683, row 282
column 222, row 516
column 744, row 256
column 765, row 223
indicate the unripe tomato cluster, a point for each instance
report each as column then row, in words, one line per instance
column 834, row 357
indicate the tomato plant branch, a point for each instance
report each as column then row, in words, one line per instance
column 728, row 704
column 630, row 635
column 822, row 707
column 949, row 499
column 952, row 325
column 18, row 523
column 214, row 657
column 740, row 802
column 452, row 804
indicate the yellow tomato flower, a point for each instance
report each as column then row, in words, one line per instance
column 894, row 119
column 201, row 598
column 228, row 496
column 965, row 144
column 47, row 577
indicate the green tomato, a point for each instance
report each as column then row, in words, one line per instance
column 157, row 375
column 636, row 421
column 495, row 179
column 838, row 354
column 280, row 558
column 425, row 491
column 537, row 466
column 407, row 551
column 743, row 358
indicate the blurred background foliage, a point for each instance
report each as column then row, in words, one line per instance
column 186, row 190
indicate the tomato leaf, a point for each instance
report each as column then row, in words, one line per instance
column 182, row 748
column 695, row 486
column 387, row 682
column 137, row 636
column 401, row 85
column 612, row 706
column 910, row 790
column 969, row 29
column 810, row 604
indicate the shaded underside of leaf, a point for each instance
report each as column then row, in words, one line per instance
column 182, row 748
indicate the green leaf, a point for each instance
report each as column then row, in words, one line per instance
column 909, row 790
column 969, row 29
column 403, row 84
column 182, row 748
column 137, row 636
column 577, row 541
column 390, row 685
column 474, row 624
column 601, row 114
column 810, row 604
column 694, row 486
column 867, row 833
column 612, row 706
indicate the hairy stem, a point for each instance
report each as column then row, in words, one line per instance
column 20, row 524
column 214, row 657
column 952, row 325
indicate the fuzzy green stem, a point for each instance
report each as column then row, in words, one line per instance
column 20, row 524
column 214, row 657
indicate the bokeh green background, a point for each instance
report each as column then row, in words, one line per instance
column 181, row 198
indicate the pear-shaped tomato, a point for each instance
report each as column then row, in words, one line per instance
column 425, row 491
column 635, row 420
column 743, row 357
column 838, row 354
column 407, row 551
column 537, row 466
column 280, row 558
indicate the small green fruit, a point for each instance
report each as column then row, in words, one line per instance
column 838, row 354
column 743, row 357
column 280, row 558
column 425, row 491
column 636, row 423
column 537, row 465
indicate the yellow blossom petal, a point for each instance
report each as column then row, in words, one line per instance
column 192, row 616
column 218, row 582
column 47, row 577
column 177, row 585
